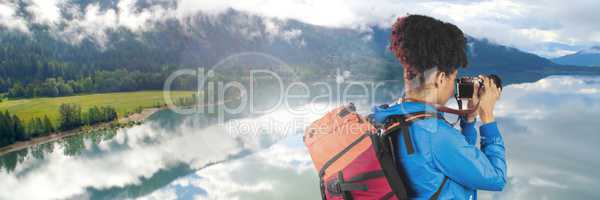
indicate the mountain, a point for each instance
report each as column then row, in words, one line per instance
column 486, row 57
column 587, row 57
column 117, row 58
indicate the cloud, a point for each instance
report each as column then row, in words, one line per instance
column 94, row 21
column 9, row 18
column 540, row 182
column 550, row 131
column 506, row 22
column 141, row 151
column 45, row 11
column 551, row 146
column 282, row 171
column 552, row 154
column 527, row 25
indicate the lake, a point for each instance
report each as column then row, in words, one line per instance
column 551, row 129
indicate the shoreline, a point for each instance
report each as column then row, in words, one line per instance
column 135, row 117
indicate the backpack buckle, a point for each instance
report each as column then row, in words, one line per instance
column 334, row 188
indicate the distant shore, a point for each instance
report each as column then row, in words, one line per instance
column 131, row 118
column 136, row 117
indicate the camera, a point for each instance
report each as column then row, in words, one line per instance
column 465, row 86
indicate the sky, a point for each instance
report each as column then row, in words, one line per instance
column 546, row 27
column 529, row 25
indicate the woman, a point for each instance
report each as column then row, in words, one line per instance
column 445, row 164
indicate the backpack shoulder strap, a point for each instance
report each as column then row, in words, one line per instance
column 402, row 123
column 436, row 195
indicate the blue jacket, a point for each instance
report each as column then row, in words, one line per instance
column 441, row 150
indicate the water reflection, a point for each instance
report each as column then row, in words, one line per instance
column 135, row 161
column 72, row 146
column 550, row 129
column 551, row 132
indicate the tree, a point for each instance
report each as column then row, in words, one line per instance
column 64, row 89
column 47, row 89
column 36, row 127
column 93, row 115
column 16, row 90
column 11, row 129
column 87, row 85
column 70, row 116
column 109, row 114
column 48, row 125
column 97, row 115
column 19, row 129
column 7, row 135
column 4, row 84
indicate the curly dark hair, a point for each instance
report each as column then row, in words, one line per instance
column 424, row 42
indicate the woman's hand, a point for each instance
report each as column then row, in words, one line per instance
column 487, row 99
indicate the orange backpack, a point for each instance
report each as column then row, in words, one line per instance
column 355, row 159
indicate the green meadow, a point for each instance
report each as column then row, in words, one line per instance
column 123, row 102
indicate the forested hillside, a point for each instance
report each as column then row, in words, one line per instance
column 44, row 63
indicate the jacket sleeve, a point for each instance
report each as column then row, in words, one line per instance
column 468, row 130
column 465, row 164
